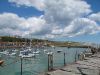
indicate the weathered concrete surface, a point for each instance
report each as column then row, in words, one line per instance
column 89, row 66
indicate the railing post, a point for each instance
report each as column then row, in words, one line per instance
column 50, row 62
column 21, row 66
column 76, row 56
column 99, row 71
column 64, row 60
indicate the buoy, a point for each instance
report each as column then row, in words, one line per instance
column 1, row 62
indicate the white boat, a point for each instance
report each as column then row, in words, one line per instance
column 36, row 52
column 52, row 46
column 29, row 49
column 12, row 54
column 14, row 50
column 5, row 52
column 49, row 53
column 26, row 54
column 45, row 51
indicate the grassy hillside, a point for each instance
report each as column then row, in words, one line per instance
column 36, row 41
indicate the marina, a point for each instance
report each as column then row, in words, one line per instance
column 38, row 62
column 49, row 37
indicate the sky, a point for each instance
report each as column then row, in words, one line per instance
column 60, row 20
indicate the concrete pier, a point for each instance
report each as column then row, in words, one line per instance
column 89, row 66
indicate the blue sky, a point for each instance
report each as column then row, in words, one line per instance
column 95, row 4
column 48, row 19
column 23, row 11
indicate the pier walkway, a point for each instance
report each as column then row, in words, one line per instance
column 89, row 66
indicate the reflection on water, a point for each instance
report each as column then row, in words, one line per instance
column 39, row 63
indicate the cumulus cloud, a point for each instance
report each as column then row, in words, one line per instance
column 95, row 16
column 67, row 18
column 12, row 24
column 37, row 26
column 62, row 12
column 61, row 18
column 10, row 20
column 38, row 4
column 9, row 31
column 79, row 26
column 82, row 26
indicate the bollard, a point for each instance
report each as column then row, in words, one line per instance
column 76, row 56
column 81, row 56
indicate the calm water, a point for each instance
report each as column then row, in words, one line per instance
column 39, row 64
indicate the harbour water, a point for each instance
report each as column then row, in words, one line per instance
column 39, row 63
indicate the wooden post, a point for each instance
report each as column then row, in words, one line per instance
column 64, row 60
column 98, row 71
column 50, row 62
column 21, row 66
column 76, row 56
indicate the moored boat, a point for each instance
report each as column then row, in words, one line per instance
column 59, row 51
column 26, row 54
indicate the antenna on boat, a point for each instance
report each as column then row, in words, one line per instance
column 30, row 42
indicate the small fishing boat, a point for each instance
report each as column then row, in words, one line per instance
column 26, row 54
column 29, row 48
column 36, row 52
column 14, row 50
column 5, row 52
column 45, row 51
column 12, row 54
column 59, row 51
